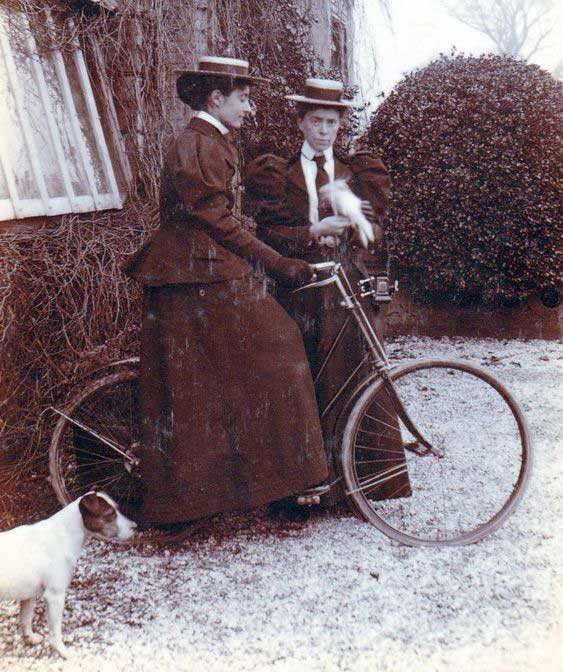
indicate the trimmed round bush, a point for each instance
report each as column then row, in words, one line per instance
column 474, row 148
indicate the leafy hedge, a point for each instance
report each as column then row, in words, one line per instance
column 475, row 151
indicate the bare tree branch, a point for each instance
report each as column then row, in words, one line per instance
column 509, row 24
column 537, row 44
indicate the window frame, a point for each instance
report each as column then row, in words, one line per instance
column 16, row 207
column 339, row 45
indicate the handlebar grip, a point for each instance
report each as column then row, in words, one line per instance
column 324, row 265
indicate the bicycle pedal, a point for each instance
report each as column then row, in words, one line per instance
column 312, row 496
column 308, row 500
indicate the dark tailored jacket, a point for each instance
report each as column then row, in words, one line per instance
column 277, row 189
column 227, row 405
column 278, row 193
column 198, row 240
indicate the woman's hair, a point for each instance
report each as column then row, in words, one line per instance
column 195, row 90
column 303, row 108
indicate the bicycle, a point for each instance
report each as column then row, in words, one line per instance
column 452, row 418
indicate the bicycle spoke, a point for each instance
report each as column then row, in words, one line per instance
column 92, row 452
column 113, row 446
column 405, row 487
column 106, row 482
column 380, row 450
column 388, row 459
column 385, row 424
column 381, row 434
column 367, row 483
column 98, row 462
column 89, row 470
column 110, row 430
column 381, row 407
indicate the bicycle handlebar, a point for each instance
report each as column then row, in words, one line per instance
column 321, row 266
column 351, row 302
column 324, row 265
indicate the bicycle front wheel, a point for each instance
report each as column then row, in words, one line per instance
column 466, row 480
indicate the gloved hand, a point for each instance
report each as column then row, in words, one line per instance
column 328, row 241
column 292, row 272
column 368, row 211
column 370, row 214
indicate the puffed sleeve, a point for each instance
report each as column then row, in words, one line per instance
column 264, row 178
column 371, row 179
column 199, row 169
column 278, row 225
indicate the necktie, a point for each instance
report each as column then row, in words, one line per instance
column 322, row 176
column 320, row 180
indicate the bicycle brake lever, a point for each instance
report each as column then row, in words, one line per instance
column 319, row 283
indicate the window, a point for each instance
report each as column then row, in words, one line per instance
column 339, row 51
column 54, row 157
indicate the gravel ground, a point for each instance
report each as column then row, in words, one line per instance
column 250, row 593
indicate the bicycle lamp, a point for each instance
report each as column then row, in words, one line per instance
column 378, row 287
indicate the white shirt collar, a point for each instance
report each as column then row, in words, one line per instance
column 202, row 114
column 309, row 153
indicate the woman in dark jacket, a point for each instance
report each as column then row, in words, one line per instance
column 229, row 418
column 287, row 209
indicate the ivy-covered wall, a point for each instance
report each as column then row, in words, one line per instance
column 65, row 306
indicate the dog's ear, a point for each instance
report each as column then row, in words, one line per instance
column 88, row 505
column 92, row 507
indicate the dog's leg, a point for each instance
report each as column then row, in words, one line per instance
column 55, row 605
column 26, row 616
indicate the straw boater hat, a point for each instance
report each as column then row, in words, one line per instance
column 223, row 67
column 321, row 92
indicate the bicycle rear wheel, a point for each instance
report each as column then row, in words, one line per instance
column 96, row 444
column 461, row 489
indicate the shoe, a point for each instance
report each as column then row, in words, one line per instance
column 289, row 510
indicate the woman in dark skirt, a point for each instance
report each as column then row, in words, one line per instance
column 229, row 417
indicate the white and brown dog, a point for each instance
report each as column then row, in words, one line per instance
column 39, row 560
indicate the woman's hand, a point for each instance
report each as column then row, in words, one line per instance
column 368, row 211
column 335, row 225
column 369, row 214
column 292, row 272
column 328, row 241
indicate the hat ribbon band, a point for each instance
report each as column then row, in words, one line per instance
column 322, row 94
column 227, row 68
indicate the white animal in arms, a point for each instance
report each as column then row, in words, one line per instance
column 345, row 202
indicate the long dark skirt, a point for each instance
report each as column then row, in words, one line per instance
column 229, row 417
column 321, row 318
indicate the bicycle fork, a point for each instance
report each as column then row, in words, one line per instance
column 412, row 446
column 379, row 359
column 381, row 365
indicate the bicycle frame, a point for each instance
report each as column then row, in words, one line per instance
column 378, row 360
column 350, row 302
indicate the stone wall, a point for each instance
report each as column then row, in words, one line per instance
column 530, row 320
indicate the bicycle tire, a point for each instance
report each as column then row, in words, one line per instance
column 471, row 471
column 100, row 407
